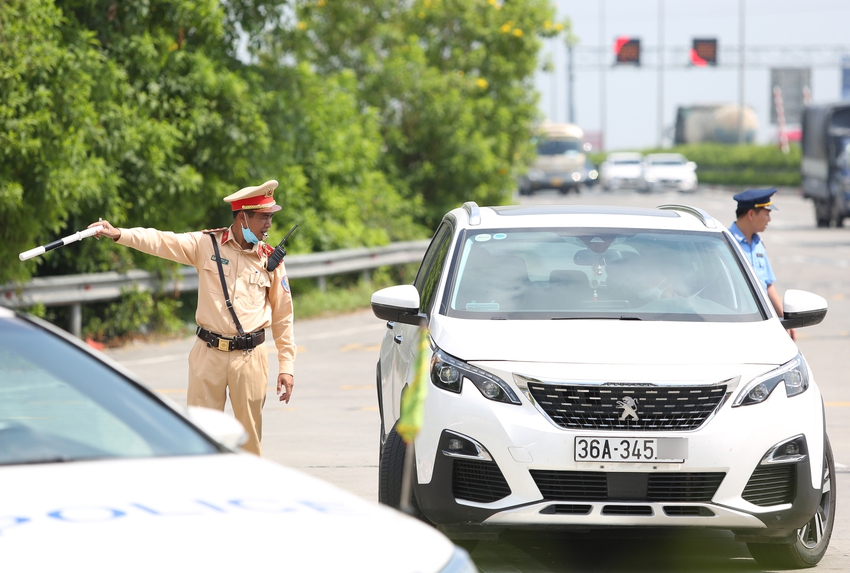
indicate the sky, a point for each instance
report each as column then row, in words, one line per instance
column 777, row 34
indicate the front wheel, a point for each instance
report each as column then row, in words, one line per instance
column 810, row 542
column 391, row 475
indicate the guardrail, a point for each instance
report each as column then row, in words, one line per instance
column 75, row 290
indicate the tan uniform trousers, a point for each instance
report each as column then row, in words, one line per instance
column 213, row 373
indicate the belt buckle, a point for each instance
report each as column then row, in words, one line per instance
column 224, row 345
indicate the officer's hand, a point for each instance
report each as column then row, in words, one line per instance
column 285, row 382
column 107, row 231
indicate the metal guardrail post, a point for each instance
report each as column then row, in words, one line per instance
column 76, row 319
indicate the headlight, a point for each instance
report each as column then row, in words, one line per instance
column 447, row 373
column 794, row 374
column 592, row 174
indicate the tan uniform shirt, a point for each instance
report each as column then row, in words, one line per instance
column 260, row 299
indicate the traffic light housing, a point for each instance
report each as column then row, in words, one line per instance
column 704, row 52
column 627, row 50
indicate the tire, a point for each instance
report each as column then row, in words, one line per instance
column 823, row 213
column 837, row 212
column 391, row 475
column 810, row 542
column 391, row 470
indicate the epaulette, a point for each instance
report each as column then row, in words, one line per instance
column 267, row 250
column 211, row 231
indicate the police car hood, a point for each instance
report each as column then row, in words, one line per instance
column 615, row 342
column 228, row 512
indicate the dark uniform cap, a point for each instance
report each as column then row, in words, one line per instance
column 756, row 199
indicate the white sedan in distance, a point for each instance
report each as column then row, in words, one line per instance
column 669, row 171
column 100, row 474
column 622, row 170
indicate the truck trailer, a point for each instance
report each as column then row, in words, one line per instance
column 825, row 168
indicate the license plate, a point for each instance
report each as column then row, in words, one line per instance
column 595, row 449
column 555, row 181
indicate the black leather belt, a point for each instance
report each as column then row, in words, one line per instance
column 228, row 343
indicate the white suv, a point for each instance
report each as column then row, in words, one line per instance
column 603, row 366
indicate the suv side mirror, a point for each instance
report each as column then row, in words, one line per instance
column 802, row 308
column 398, row 304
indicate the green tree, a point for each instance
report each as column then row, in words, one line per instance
column 452, row 80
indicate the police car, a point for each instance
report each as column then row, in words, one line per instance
column 100, row 474
column 606, row 367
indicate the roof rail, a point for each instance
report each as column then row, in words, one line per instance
column 703, row 216
column 471, row 207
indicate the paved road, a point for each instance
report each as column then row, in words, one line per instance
column 330, row 428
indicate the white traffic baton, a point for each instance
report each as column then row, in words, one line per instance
column 78, row 236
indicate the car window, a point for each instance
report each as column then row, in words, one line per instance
column 625, row 161
column 558, row 146
column 428, row 277
column 607, row 273
column 59, row 403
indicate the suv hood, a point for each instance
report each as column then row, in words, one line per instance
column 626, row 342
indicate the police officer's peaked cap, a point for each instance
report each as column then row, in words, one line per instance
column 259, row 199
column 756, row 199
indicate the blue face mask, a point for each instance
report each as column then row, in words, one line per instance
column 249, row 235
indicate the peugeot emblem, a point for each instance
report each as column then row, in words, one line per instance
column 629, row 406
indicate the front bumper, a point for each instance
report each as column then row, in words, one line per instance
column 526, row 475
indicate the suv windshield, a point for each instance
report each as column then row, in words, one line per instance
column 561, row 273
column 558, row 146
column 60, row 404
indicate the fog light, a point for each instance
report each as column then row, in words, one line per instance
column 490, row 389
column 455, row 445
column 792, row 449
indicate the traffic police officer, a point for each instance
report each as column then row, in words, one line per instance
column 752, row 218
column 229, row 352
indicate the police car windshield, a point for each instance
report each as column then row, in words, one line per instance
column 58, row 403
column 556, row 273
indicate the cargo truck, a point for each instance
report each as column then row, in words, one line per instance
column 825, row 168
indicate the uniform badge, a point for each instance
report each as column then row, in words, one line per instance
column 284, row 283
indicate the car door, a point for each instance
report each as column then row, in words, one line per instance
column 406, row 336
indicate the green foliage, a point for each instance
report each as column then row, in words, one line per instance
column 136, row 312
column 376, row 116
column 451, row 80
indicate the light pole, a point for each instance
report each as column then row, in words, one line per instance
column 603, row 52
column 571, row 40
column 741, row 67
column 660, row 74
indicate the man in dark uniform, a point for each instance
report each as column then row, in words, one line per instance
column 752, row 218
column 229, row 353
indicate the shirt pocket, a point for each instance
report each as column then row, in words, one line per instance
column 212, row 278
column 255, row 285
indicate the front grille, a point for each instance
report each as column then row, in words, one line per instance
column 478, row 481
column 656, row 408
column 626, row 510
column 687, row 511
column 566, row 509
column 683, row 487
column 772, row 485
